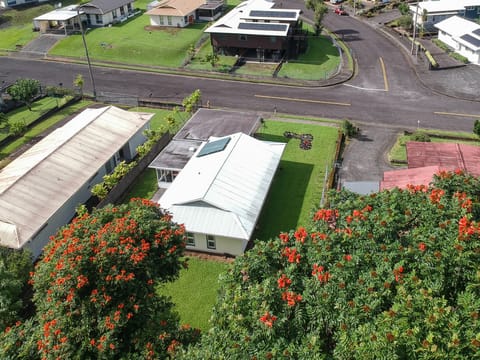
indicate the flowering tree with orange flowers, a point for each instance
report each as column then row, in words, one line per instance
column 94, row 288
column 393, row 275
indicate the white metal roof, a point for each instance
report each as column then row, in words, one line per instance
column 434, row 6
column 36, row 184
column 457, row 27
column 62, row 14
column 223, row 193
column 229, row 24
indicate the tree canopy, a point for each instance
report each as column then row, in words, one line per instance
column 393, row 275
column 94, row 289
column 24, row 90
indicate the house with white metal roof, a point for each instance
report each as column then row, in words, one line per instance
column 463, row 36
column 62, row 20
column 256, row 25
column 40, row 189
column 428, row 13
column 220, row 192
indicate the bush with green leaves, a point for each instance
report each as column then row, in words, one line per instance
column 94, row 289
column 102, row 189
column 24, row 90
column 17, row 128
column 393, row 275
column 420, row 136
column 15, row 267
column 476, row 127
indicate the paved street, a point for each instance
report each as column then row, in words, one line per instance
column 389, row 88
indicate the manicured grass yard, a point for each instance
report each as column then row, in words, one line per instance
column 319, row 61
column 131, row 43
column 195, row 292
column 199, row 62
column 297, row 186
column 22, row 114
column 398, row 153
column 41, row 127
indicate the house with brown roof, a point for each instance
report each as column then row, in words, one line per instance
column 181, row 13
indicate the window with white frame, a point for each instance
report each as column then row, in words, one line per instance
column 99, row 19
column 160, row 20
column 190, row 239
column 211, row 243
column 169, row 20
column 122, row 11
column 114, row 13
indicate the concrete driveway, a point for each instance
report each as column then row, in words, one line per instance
column 40, row 46
column 365, row 156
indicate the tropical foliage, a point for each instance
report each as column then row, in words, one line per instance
column 393, row 275
column 94, row 289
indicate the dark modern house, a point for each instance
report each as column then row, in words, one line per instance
column 255, row 28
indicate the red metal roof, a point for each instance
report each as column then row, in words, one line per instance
column 446, row 155
column 404, row 177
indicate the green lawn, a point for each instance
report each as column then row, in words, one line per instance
column 199, row 62
column 398, row 152
column 131, row 43
column 41, row 127
column 297, row 187
column 257, row 69
column 22, row 114
column 319, row 62
column 195, row 292
column 159, row 119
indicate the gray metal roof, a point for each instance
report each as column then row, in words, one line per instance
column 103, row 6
column 201, row 126
column 222, row 193
column 36, row 184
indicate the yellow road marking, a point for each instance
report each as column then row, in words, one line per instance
column 303, row 100
column 385, row 80
column 456, row 114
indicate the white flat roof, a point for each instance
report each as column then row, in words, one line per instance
column 36, row 184
column 233, row 21
column 63, row 14
column 463, row 31
column 222, row 193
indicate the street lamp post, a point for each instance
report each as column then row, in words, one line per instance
column 86, row 53
column 414, row 29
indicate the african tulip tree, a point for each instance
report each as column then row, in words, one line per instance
column 393, row 275
column 94, row 286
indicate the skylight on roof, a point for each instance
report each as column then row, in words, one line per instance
column 215, row 146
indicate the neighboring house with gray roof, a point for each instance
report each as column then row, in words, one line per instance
column 40, row 189
column 104, row 12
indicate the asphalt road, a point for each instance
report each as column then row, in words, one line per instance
column 384, row 90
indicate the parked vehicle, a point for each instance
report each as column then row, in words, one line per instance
column 335, row 1
column 339, row 10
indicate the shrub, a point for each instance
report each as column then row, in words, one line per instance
column 476, row 127
column 349, row 130
column 420, row 136
column 18, row 128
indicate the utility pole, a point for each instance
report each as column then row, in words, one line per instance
column 86, row 53
column 354, row 7
column 414, row 29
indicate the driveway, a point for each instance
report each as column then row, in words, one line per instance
column 365, row 156
column 40, row 46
